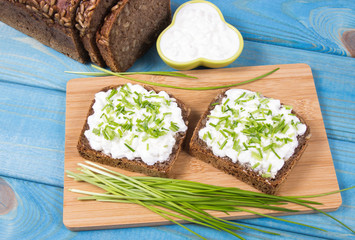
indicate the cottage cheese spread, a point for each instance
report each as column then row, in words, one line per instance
column 255, row 131
column 199, row 32
column 132, row 122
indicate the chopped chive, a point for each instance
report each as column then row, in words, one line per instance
column 264, row 101
column 129, row 147
column 269, row 169
column 223, row 133
column 240, row 96
column 246, row 147
column 225, row 103
column 114, row 123
column 236, row 146
column 229, row 132
column 223, row 144
column 110, row 133
column 96, row 131
column 120, row 132
column 291, row 135
column 256, row 155
column 284, row 130
column 204, row 136
column 147, row 146
column 268, row 147
column 266, row 175
column 209, row 135
column 113, row 92
column 272, row 149
column 276, row 118
column 256, row 111
column 255, row 165
column 173, row 127
column 261, row 154
column 223, row 109
column 215, row 103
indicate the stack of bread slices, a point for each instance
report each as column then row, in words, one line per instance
column 109, row 32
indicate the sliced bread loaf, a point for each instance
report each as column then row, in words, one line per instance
column 134, row 128
column 49, row 21
column 256, row 139
column 130, row 30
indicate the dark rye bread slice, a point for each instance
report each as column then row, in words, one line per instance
column 159, row 169
column 130, row 30
column 51, row 22
column 199, row 149
column 89, row 17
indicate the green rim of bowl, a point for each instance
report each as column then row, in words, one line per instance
column 200, row 61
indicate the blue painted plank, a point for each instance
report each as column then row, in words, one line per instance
column 32, row 135
column 24, row 60
column 311, row 25
column 28, row 221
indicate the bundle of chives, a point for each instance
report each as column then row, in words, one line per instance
column 187, row 200
column 105, row 72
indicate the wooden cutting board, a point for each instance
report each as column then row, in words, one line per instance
column 293, row 84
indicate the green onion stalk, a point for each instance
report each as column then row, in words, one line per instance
column 190, row 201
column 105, row 72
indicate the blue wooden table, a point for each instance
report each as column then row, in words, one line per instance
column 32, row 116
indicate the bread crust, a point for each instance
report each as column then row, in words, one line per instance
column 199, row 149
column 159, row 169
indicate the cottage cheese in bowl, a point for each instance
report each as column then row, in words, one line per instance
column 197, row 36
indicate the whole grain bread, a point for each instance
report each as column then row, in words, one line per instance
column 159, row 169
column 199, row 149
column 113, row 32
column 51, row 22
column 89, row 17
column 130, row 30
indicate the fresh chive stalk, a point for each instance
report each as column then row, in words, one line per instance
column 158, row 73
column 105, row 72
column 188, row 200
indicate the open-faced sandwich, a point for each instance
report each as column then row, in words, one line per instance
column 254, row 138
column 134, row 128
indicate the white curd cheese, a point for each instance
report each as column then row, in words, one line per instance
column 199, row 32
column 132, row 122
column 255, row 131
